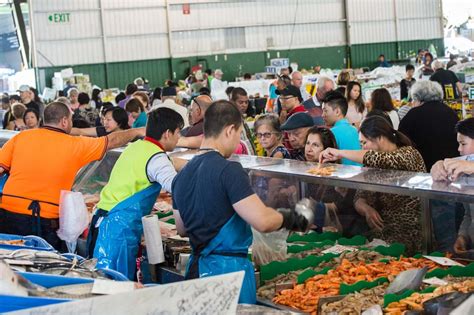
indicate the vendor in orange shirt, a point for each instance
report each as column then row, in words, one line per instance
column 42, row 162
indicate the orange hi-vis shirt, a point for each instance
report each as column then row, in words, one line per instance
column 42, row 162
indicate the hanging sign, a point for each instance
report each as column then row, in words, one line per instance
column 58, row 18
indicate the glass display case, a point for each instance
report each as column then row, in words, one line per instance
column 280, row 183
column 6, row 135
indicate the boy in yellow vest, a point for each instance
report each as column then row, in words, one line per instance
column 141, row 171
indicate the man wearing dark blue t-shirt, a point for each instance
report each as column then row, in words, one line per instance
column 216, row 206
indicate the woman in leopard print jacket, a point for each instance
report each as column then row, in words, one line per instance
column 393, row 218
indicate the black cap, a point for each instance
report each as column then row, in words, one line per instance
column 168, row 91
column 290, row 90
column 298, row 120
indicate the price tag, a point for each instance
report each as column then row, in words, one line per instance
column 112, row 287
column 435, row 281
column 338, row 249
column 443, row 261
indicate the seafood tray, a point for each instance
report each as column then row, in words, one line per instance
column 12, row 242
column 52, row 263
column 45, row 289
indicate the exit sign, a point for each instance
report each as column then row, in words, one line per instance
column 59, row 17
column 471, row 93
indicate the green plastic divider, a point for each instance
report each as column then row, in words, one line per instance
column 360, row 285
column 171, row 221
column 164, row 215
column 390, row 298
column 275, row 268
column 314, row 237
column 394, row 250
column 435, row 254
column 294, row 249
column 455, row 271
column 357, row 240
column 305, row 275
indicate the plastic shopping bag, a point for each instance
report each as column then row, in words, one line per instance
column 268, row 247
column 73, row 218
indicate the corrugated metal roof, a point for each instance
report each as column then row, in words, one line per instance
column 135, row 22
column 82, row 24
column 65, row 5
column 414, row 29
column 54, row 53
column 370, row 10
column 253, row 13
column 418, row 8
column 136, row 30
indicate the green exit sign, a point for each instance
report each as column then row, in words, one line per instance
column 59, row 17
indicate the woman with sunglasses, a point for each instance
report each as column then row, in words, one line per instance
column 268, row 133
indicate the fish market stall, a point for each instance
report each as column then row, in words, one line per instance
column 325, row 264
column 328, row 264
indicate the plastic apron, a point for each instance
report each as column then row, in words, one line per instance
column 227, row 252
column 121, row 230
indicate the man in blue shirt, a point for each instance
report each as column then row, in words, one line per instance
column 216, row 205
column 334, row 113
column 381, row 62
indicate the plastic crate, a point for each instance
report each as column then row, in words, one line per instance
column 10, row 303
column 31, row 242
column 49, row 281
column 44, row 279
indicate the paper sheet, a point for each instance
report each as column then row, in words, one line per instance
column 443, row 261
column 112, row 287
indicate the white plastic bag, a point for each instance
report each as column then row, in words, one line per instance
column 268, row 247
column 73, row 218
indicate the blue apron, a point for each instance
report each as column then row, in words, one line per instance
column 121, row 230
column 227, row 252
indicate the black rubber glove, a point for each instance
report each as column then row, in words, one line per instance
column 294, row 221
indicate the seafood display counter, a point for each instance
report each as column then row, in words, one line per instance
column 325, row 264
column 297, row 175
column 325, row 273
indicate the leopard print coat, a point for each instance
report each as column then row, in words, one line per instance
column 401, row 214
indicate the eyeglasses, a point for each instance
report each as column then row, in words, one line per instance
column 265, row 135
column 286, row 98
